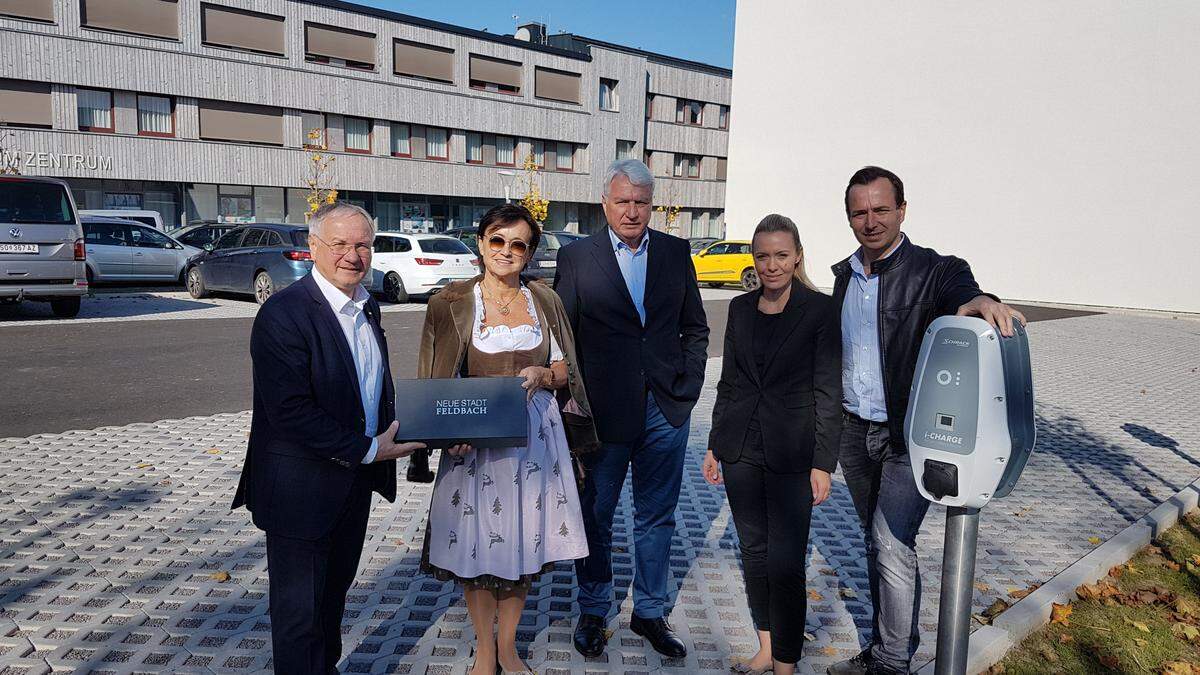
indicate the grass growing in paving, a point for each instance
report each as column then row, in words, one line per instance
column 1144, row 617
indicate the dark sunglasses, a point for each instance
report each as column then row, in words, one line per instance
column 497, row 244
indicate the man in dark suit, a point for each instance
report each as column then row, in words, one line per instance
column 321, row 439
column 642, row 338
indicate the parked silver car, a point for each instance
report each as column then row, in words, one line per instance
column 41, row 244
column 122, row 250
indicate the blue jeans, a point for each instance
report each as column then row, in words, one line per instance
column 657, row 460
column 891, row 509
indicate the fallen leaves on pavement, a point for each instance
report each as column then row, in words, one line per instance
column 1020, row 593
column 994, row 610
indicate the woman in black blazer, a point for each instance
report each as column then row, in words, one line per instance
column 775, row 430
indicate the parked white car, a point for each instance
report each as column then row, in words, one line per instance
column 419, row 264
column 152, row 218
column 122, row 250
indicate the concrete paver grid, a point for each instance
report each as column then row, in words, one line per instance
column 111, row 538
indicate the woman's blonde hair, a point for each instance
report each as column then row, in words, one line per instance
column 777, row 223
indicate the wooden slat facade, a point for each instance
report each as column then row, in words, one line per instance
column 67, row 55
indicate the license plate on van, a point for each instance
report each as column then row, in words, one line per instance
column 19, row 248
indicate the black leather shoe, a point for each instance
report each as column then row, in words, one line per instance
column 590, row 639
column 661, row 636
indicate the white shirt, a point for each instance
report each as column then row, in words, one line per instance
column 364, row 350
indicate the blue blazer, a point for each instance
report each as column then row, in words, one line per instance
column 307, row 439
column 620, row 358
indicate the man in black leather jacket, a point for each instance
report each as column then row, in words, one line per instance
column 889, row 291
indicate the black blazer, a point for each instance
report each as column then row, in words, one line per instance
column 799, row 396
column 620, row 358
column 306, row 436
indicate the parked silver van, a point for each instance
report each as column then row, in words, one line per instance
column 41, row 244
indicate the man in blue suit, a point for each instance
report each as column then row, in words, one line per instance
column 321, row 439
column 642, row 338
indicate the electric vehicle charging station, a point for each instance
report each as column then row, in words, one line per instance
column 970, row 431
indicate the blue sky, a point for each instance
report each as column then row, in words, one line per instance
column 700, row 30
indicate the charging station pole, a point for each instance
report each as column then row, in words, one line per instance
column 958, row 581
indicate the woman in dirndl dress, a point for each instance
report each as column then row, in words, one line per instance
column 499, row 517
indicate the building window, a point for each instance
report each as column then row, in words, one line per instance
column 649, row 106
column 723, row 118
column 339, row 46
column 426, row 62
column 95, row 110
column 474, row 148
column 436, row 146
column 556, row 85
column 687, row 166
column 25, row 104
column 239, row 122
column 625, row 149
column 689, row 112
column 495, row 75
column 506, row 151
column 358, row 135
column 36, row 10
column 315, row 135
column 155, row 18
column 401, row 140
column 608, row 95
column 155, row 116
column 565, row 159
column 236, row 28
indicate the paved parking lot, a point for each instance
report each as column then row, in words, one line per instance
column 111, row 305
column 119, row 554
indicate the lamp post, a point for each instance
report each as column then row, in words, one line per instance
column 508, row 183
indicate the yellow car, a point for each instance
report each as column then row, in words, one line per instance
column 726, row 262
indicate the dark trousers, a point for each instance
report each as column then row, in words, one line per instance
column 772, row 512
column 891, row 509
column 308, row 585
column 656, row 457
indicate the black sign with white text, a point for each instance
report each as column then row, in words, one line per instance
column 487, row 412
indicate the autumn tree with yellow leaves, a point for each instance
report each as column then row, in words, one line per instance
column 534, row 201
column 320, row 183
column 670, row 209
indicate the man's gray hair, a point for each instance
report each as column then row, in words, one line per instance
column 637, row 173
column 338, row 209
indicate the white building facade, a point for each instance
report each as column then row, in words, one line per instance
column 1052, row 145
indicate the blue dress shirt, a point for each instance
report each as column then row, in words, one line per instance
column 633, row 269
column 862, row 366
